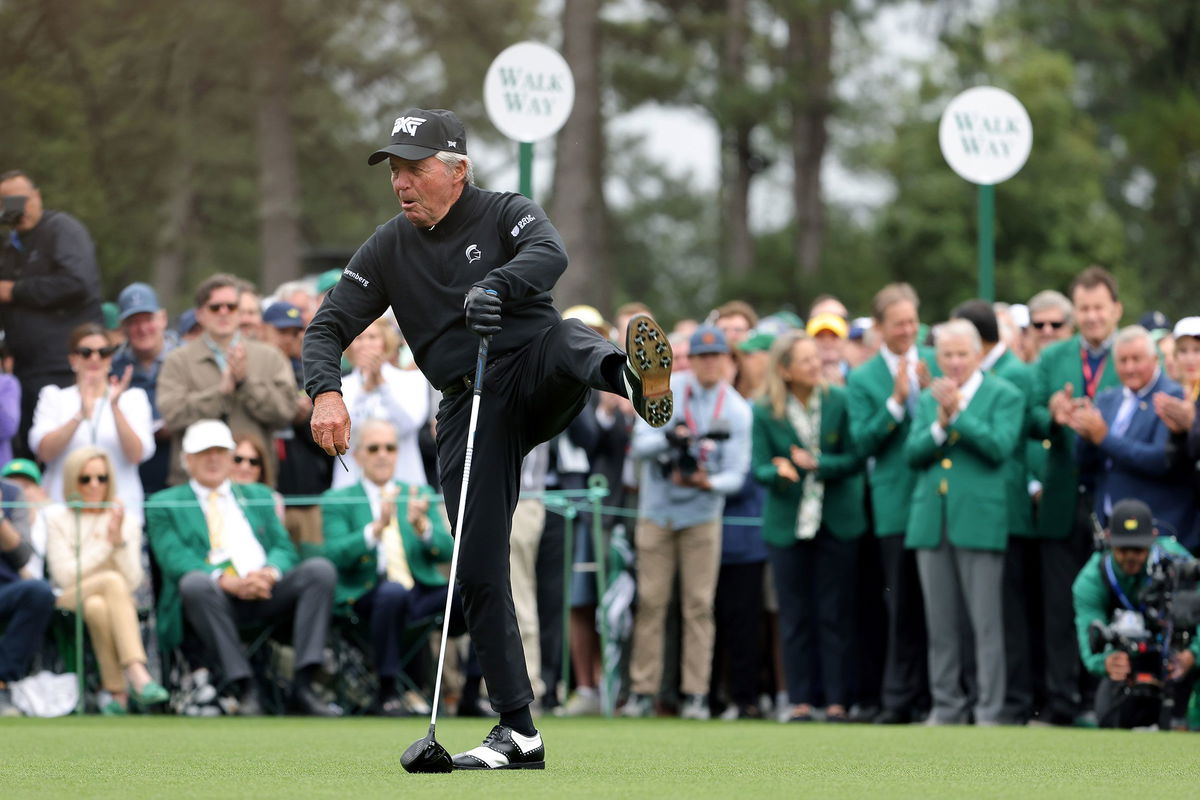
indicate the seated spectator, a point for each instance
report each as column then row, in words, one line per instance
column 28, row 477
column 251, row 465
column 386, row 541
column 1127, row 443
column 227, row 563
column 805, row 456
column 966, row 430
column 25, row 603
column 1113, row 588
column 98, row 410
column 378, row 390
column 107, row 570
column 10, row 414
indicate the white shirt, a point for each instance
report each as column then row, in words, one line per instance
column 893, row 363
column 402, row 399
column 56, row 406
column 241, row 546
column 966, row 393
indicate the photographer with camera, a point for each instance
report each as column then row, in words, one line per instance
column 49, row 285
column 688, row 467
column 1136, row 622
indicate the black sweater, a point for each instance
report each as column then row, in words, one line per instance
column 498, row 240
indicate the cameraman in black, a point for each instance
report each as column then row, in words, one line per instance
column 1129, row 619
column 49, row 285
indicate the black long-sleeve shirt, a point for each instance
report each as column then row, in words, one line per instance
column 498, row 240
column 57, row 288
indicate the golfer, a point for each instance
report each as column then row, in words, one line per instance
column 456, row 264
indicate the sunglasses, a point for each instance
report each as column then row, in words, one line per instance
column 99, row 479
column 216, row 308
column 375, row 448
column 88, row 352
column 251, row 460
column 1056, row 324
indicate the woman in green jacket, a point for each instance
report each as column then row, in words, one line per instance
column 805, row 457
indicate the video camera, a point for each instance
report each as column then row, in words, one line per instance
column 12, row 210
column 687, row 450
column 1167, row 624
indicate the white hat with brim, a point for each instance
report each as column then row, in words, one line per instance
column 1188, row 326
column 207, row 434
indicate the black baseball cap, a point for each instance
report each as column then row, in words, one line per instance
column 420, row 133
column 1131, row 524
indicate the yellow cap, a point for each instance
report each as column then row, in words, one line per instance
column 588, row 315
column 827, row 321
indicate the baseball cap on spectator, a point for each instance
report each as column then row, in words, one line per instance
column 1188, row 326
column 110, row 312
column 23, row 467
column 137, row 298
column 707, row 339
column 420, row 133
column 1131, row 524
column 1020, row 315
column 206, row 434
column 327, row 280
column 187, row 322
column 827, row 321
column 859, row 328
column 588, row 315
column 779, row 323
column 282, row 315
column 1157, row 323
column 757, row 341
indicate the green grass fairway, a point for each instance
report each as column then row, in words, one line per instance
column 177, row 758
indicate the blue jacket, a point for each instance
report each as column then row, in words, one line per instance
column 1139, row 463
column 742, row 543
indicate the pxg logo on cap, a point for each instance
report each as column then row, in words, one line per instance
column 420, row 133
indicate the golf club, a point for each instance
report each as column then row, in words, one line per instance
column 426, row 755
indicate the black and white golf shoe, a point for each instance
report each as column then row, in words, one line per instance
column 648, row 370
column 504, row 748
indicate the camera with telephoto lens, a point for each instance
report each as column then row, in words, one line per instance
column 686, row 449
column 1167, row 623
column 13, row 210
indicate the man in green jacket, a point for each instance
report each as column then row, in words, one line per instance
column 386, row 541
column 883, row 402
column 227, row 562
column 999, row 360
column 965, row 434
column 1067, row 374
column 1114, row 587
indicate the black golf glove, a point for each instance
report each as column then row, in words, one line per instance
column 482, row 309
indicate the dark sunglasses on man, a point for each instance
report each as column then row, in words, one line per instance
column 375, row 448
column 1049, row 323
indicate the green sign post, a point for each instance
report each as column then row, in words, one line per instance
column 985, row 136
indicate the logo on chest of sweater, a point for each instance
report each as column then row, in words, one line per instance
column 473, row 253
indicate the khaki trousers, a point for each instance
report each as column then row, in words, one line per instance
column 696, row 553
column 112, row 622
column 528, row 521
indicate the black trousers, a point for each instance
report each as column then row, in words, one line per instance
column 305, row 594
column 738, row 609
column 527, row 397
column 1116, row 707
column 906, row 673
column 815, row 583
column 1022, row 628
column 1061, row 560
column 389, row 609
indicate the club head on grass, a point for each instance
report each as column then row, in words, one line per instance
column 426, row 756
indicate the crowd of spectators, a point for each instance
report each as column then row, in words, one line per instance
column 849, row 518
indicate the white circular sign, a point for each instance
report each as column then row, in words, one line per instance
column 529, row 91
column 985, row 135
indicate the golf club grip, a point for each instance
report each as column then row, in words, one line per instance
column 480, row 363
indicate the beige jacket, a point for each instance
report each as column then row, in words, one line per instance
column 189, row 389
column 96, row 552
